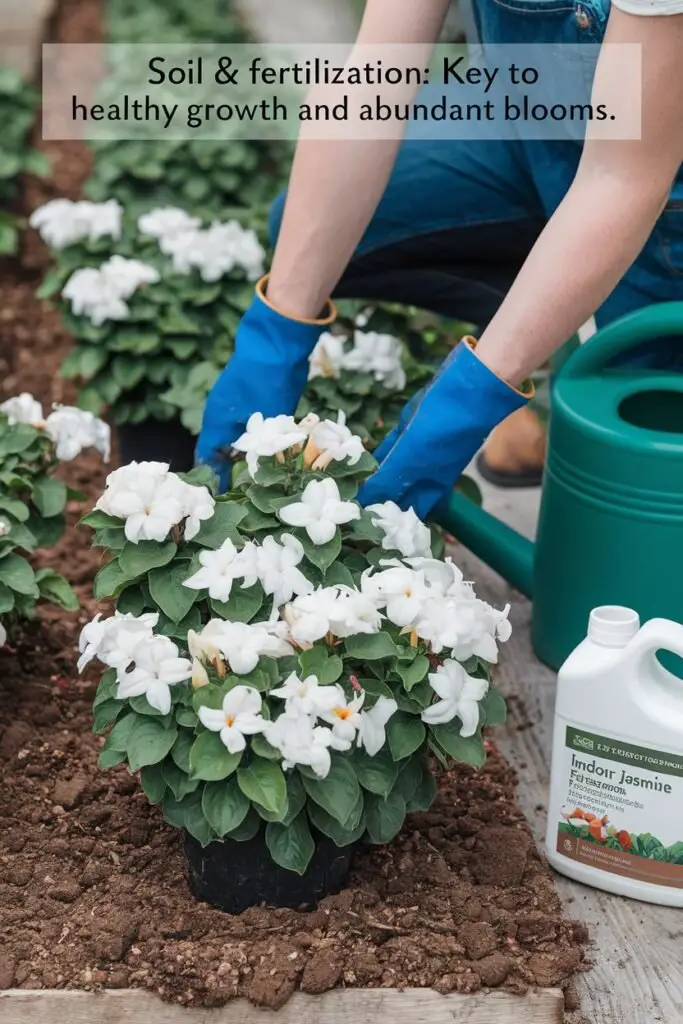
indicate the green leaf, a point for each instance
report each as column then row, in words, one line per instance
column 410, row 777
column 105, row 714
column 188, row 814
column 15, row 507
column 177, row 780
column 100, row 520
column 109, row 758
column 339, row 834
column 424, row 794
column 492, row 709
column 153, row 783
column 210, row 760
column 120, row 734
column 338, row 573
column 406, row 734
column 376, row 774
column 321, row 555
column 180, row 751
column 247, row 830
column 225, row 806
column 296, row 796
column 291, row 846
column 54, row 587
column 413, row 672
column 17, row 574
column 371, row 647
column 242, row 605
column 107, row 687
column 149, row 742
column 49, row 496
column 222, row 525
column 270, row 472
column 384, row 818
column 168, row 592
column 108, row 580
column 317, row 661
column 6, row 599
column 264, row 782
column 137, row 559
column 469, row 749
column 267, row 499
column 337, row 793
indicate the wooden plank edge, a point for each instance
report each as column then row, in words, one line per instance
column 339, row 1006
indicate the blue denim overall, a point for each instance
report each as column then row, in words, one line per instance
column 459, row 217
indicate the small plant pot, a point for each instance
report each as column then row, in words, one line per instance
column 235, row 876
column 154, row 441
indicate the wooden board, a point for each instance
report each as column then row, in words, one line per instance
column 638, row 948
column 350, row 1006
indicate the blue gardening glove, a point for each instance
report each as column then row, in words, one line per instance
column 439, row 432
column 267, row 373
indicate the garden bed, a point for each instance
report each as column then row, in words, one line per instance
column 92, row 888
column 94, row 895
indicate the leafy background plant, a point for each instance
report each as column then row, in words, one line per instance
column 18, row 106
column 32, row 503
column 187, row 770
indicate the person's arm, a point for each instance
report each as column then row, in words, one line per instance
column 606, row 217
column 335, row 187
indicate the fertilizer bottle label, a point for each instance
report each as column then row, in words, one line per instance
column 622, row 811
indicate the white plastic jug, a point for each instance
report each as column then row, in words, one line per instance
column 616, row 792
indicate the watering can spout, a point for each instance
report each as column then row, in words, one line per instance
column 498, row 545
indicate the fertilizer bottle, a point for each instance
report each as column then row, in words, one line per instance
column 616, row 794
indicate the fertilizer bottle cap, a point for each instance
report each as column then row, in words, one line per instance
column 613, row 626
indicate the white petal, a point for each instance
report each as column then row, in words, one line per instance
column 296, row 514
column 441, row 713
column 212, row 718
column 321, row 531
column 468, row 712
column 159, row 696
column 233, row 739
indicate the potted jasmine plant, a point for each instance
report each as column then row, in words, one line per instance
column 284, row 668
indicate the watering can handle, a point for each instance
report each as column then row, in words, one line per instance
column 658, row 321
column 659, row 635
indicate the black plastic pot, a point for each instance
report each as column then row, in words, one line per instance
column 153, row 441
column 235, row 876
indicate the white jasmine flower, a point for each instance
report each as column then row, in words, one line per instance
column 242, row 644
column 216, row 251
column 380, row 355
column 372, row 725
column 403, row 531
column 320, row 511
column 300, row 741
column 101, row 294
column 92, row 295
column 204, row 648
column 329, row 441
column 73, row 429
column 167, row 223
column 465, row 627
column 400, row 589
column 443, row 577
column 276, row 566
column 152, row 501
column 306, row 696
column 125, row 275
column 344, row 717
column 460, row 695
column 219, row 570
column 198, row 506
column 240, row 716
column 62, row 222
column 339, row 610
column 327, row 358
column 113, row 640
column 157, row 668
column 265, row 437
column 23, row 408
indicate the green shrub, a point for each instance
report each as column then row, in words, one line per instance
column 18, row 106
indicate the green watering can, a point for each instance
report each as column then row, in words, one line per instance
column 611, row 522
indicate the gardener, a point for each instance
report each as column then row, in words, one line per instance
column 451, row 226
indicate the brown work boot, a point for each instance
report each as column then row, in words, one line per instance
column 514, row 454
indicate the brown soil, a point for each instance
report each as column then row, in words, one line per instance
column 92, row 886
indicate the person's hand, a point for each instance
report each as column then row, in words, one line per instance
column 439, row 432
column 267, row 373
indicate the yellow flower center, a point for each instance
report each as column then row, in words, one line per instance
column 229, row 720
column 343, row 713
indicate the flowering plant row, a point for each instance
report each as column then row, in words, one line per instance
column 18, row 105
column 280, row 658
column 32, row 501
column 146, row 299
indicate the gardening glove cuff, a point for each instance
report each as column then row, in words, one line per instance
column 267, row 373
column 440, row 431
